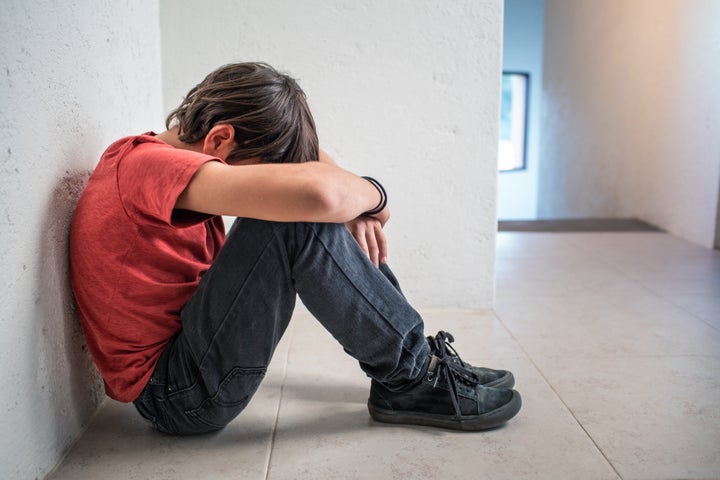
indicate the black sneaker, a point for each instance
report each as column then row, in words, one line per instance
column 450, row 394
column 488, row 377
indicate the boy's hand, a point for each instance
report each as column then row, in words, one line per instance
column 368, row 232
column 383, row 216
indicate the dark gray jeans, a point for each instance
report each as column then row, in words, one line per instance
column 233, row 322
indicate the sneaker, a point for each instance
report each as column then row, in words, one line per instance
column 450, row 395
column 488, row 377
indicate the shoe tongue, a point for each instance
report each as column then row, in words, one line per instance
column 433, row 363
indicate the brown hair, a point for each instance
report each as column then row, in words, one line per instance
column 267, row 110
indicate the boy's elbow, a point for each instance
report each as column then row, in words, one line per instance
column 328, row 204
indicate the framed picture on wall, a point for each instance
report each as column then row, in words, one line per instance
column 513, row 121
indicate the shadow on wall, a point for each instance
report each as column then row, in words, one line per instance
column 70, row 379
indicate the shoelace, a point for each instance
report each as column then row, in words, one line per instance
column 441, row 342
column 446, row 362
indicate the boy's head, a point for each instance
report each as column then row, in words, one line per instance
column 266, row 109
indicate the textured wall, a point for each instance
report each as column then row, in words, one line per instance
column 73, row 76
column 407, row 91
column 631, row 126
column 523, row 52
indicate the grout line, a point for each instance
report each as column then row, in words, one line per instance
column 685, row 310
column 579, row 248
column 557, row 394
column 280, row 400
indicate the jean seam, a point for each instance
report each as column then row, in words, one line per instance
column 230, row 309
column 355, row 286
column 366, row 299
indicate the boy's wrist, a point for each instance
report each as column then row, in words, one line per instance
column 382, row 216
column 383, row 197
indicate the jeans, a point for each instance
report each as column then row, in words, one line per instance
column 231, row 325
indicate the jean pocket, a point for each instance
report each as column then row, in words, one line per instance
column 232, row 396
column 145, row 412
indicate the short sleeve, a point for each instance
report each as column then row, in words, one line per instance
column 152, row 176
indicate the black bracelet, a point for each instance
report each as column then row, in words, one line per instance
column 383, row 197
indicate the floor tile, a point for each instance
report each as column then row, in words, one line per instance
column 665, row 264
column 653, row 417
column 639, row 365
column 556, row 269
column 603, row 325
column 535, row 245
column 119, row 444
column 563, row 279
column 634, row 245
column 324, row 430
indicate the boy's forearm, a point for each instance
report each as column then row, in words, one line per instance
column 314, row 191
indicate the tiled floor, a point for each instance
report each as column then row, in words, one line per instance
column 614, row 340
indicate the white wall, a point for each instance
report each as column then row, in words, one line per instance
column 74, row 75
column 406, row 91
column 630, row 124
column 523, row 52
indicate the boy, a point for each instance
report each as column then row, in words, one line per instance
column 184, row 322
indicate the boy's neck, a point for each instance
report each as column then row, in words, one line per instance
column 171, row 138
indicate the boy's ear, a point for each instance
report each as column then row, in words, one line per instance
column 220, row 141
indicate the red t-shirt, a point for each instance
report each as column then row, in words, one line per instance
column 134, row 260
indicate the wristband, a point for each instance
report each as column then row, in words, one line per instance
column 383, row 197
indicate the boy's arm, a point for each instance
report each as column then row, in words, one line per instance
column 310, row 192
column 383, row 216
column 368, row 231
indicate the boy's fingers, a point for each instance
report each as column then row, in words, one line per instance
column 370, row 237
column 359, row 235
column 372, row 243
column 381, row 243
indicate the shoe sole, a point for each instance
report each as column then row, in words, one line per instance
column 486, row 421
